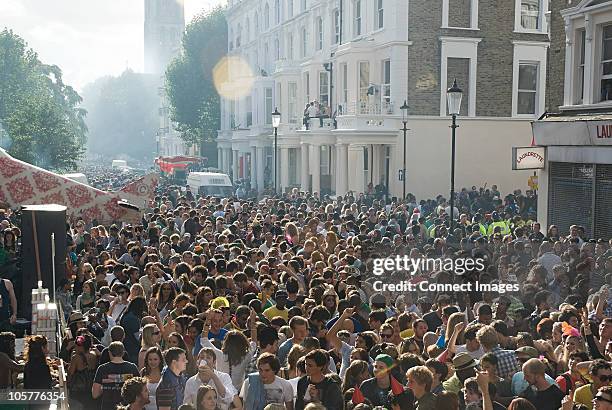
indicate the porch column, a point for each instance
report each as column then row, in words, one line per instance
column 315, row 166
column 376, row 162
column 304, row 171
column 235, row 165
column 356, row 180
column 284, row 168
column 341, row 169
column 260, row 169
column 220, row 158
column 227, row 159
column 253, row 167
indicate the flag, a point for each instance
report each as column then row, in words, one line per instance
column 396, row 387
column 358, row 396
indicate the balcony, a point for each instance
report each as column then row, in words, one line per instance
column 366, row 108
column 285, row 65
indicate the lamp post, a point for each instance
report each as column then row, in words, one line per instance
column 453, row 95
column 404, row 109
column 276, row 117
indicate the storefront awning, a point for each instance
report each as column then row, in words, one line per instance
column 580, row 130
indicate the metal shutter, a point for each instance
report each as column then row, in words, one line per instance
column 570, row 200
column 603, row 201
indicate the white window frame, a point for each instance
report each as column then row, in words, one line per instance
column 600, row 63
column 336, row 25
column 344, row 71
column 268, row 105
column 473, row 15
column 292, row 102
column 579, row 66
column 324, row 88
column 380, row 14
column 319, row 28
column 362, row 91
column 357, row 18
column 249, row 110
column 530, row 52
column 290, row 54
column 277, row 49
column 277, row 12
column 385, row 86
column 304, row 45
column 534, row 91
column 542, row 21
column 459, row 47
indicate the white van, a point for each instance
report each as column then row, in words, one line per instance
column 210, row 183
column 78, row 177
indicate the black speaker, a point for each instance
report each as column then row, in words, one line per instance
column 38, row 222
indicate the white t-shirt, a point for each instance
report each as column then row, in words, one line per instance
column 194, row 383
column 279, row 391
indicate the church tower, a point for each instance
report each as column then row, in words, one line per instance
column 163, row 31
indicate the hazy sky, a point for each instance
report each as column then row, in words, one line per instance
column 87, row 39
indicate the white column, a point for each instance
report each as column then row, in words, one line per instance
column 341, row 169
column 316, row 168
column 304, row 174
column 253, row 167
column 284, row 168
column 356, row 180
column 220, row 158
column 260, row 169
column 588, row 97
column 227, row 159
column 235, row 164
column 376, row 161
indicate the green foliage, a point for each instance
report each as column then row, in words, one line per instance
column 41, row 121
column 123, row 115
column 194, row 101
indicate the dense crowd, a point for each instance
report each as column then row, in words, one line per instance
column 230, row 303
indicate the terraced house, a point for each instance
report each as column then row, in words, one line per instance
column 360, row 60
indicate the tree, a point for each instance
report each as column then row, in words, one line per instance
column 122, row 115
column 194, row 101
column 38, row 112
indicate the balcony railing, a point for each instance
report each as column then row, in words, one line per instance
column 365, row 108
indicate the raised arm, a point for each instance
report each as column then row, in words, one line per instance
column 332, row 336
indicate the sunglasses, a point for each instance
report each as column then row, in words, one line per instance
column 605, row 378
column 156, row 332
column 601, row 398
column 386, row 335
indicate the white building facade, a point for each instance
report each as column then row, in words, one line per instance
column 364, row 58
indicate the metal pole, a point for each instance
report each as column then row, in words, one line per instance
column 275, row 159
column 404, row 168
column 452, row 181
column 53, row 264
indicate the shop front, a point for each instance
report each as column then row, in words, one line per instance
column 576, row 180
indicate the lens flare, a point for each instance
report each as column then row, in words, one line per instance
column 233, row 78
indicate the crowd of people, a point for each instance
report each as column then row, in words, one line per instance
column 227, row 303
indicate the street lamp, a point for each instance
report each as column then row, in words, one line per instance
column 453, row 98
column 276, row 117
column 404, row 109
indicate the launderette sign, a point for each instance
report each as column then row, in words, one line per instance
column 528, row 157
